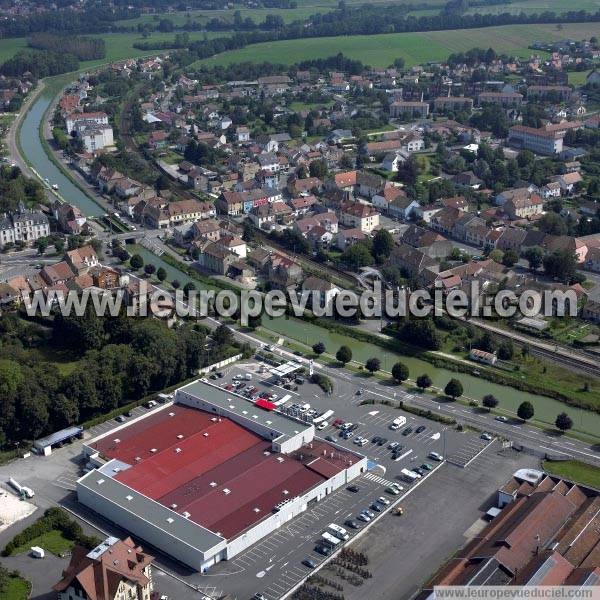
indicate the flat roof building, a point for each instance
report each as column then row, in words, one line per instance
column 209, row 475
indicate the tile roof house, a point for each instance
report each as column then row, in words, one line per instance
column 115, row 569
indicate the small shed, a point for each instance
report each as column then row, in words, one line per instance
column 44, row 445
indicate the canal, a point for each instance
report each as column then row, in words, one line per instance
column 546, row 408
column 33, row 150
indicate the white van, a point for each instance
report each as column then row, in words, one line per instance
column 330, row 540
column 397, row 423
column 248, row 376
column 337, row 531
column 409, row 475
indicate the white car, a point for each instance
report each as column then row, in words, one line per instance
column 501, row 418
column 435, row 456
column 322, row 425
column 383, row 500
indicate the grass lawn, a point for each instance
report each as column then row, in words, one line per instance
column 16, row 589
column 298, row 106
column 415, row 48
column 575, row 471
column 9, row 47
column 53, row 542
column 62, row 360
column 577, row 77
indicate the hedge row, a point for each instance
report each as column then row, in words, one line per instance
column 53, row 519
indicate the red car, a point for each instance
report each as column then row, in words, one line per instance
column 338, row 423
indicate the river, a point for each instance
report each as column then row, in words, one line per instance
column 546, row 408
column 36, row 156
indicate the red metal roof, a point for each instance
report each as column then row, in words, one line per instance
column 223, row 475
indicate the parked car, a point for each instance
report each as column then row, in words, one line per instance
column 435, row 456
column 376, row 507
column 322, row 549
column 363, row 517
column 353, row 488
column 486, row 436
column 352, row 524
column 427, row 467
column 381, row 441
column 407, row 431
column 310, row 563
column 121, row 418
column 383, row 500
column 329, row 438
column 420, row 429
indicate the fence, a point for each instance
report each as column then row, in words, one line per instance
column 223, row 363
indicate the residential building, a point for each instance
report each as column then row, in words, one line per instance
column 114, row 570
column 539, row 140
column 504, row 99
column 23, row 225
column 402, row 108
column 362, row 216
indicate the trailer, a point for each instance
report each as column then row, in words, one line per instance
column 37, row 552
column 22, row 490
column 409, row 475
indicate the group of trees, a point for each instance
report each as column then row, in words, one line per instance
column 114, row 361
column 16, row 189
column 83, row 48
column 39, row 63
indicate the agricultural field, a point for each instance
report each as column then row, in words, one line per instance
column 9, row 47
column 308, row 8
column 539, row 6
column 415, row 48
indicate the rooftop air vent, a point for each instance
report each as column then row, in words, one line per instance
column 129, row 498
column 170, row 520
column 226, row 491
column 100, row 481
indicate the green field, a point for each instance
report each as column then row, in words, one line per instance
column 415, row 48
column 574, row 470
column 53, row 542
column 9, row 47
column 539, row 6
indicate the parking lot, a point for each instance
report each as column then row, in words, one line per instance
column 275, row 564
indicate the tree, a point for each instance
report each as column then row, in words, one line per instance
column 400, row 372
column 424, row 381
column 357, row 256
column 319, row 348
column 189, row 287
column 176, row 284
column 561, row 264
column 344, row 355
column 161, row 274
column 510, row 258
column 136, row 262
column 553, row 224
column 383, row 244
column 454, row 389
column 490, row 401
column 563, row 422
column 506, row 350
column 534, row 256
column 525, row 411
column 149, row 269
column 59, row 245
column 42, row 245
column 318, row 168
column 223, row 336
column 372, row 365
column 496, row 255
